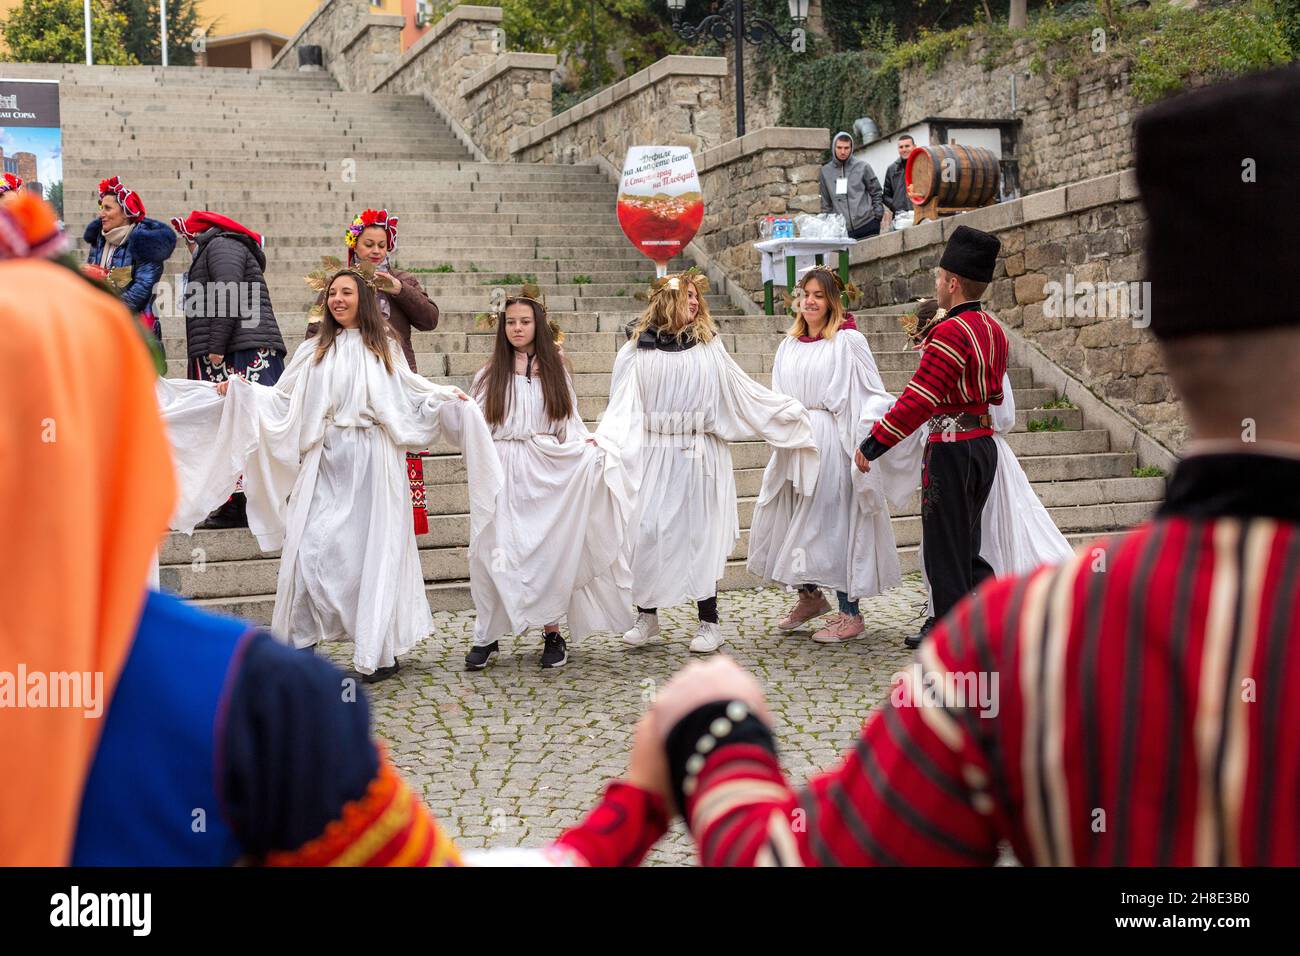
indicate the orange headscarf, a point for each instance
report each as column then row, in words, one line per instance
column 86, row 489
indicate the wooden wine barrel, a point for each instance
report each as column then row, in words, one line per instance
column 972, row 180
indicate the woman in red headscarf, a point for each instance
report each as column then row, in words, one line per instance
column 230, row 326
column 128, row 250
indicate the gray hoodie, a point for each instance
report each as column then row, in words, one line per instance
column 863, row 201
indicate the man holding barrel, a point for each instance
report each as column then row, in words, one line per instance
column 963, row 359
column 850, row 188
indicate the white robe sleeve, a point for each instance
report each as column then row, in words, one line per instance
column 620, row 433
column 1004, row 415
column 747, row 411
column 854, row 390
column 253, row 431
column 418, row 413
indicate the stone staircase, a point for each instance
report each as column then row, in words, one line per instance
column 291, row 156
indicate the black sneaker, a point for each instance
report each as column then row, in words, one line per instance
column 556, row 653
column 382, row 673
column 914, row 641
column 478, row 657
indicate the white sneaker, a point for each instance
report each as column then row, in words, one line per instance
column 707, row 639
column 646, row 627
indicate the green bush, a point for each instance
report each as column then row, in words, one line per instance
column 1052, row 424
column 1210, row 45
column 1148, row 471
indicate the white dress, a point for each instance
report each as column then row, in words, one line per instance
column 556, row 545
column 670, row 417
column 1016, row 532
column 839, row 537
column 322, row 455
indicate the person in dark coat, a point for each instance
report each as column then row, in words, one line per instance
column 894, row 190
column 230, row 326
column 371, row 238
column 123, row 238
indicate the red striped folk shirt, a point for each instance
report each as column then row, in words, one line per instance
column 962, row 364
column 1141, row 714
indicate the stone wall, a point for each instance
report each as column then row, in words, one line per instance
column 369, row 54
column 772, row 170
column 675, row 102
column 1087, row 232
column 1070, row 131
column 333, row 25
column 513, row 93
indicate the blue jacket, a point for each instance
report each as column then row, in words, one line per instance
column 144, row 251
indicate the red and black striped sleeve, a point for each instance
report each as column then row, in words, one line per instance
column 920, row 788
column 942, row 364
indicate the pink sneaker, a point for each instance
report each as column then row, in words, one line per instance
column 809, row 606
column 844, row 628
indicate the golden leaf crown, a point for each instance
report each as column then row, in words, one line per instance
column 792, row 299
column 528, row 292
column 318, row 279
column 674, row 282
column 912, row 327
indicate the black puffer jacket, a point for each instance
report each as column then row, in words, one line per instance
column 227, row 304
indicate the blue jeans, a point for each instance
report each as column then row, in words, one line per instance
column 846, row 606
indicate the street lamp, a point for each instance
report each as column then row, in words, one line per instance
column 733, row 21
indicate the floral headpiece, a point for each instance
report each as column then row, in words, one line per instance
column 675, row 281
column 318, row 279
column 366, row 219
column 10, row 183
column 528, row 292
column 130, row 201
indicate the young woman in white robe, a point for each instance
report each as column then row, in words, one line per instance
column 323, row 458
column 1016, row 532
column 556, row 545
column 840, row 537
column 676, row 400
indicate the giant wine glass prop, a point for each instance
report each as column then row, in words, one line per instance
column 660, row 206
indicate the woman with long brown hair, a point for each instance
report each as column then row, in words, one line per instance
column 329, row 438
column 555, row 546
column 676, row 400
column 840, row 536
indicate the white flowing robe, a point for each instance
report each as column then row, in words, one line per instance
column 1016, row 532
column 839, row 537
column 670, row 417
column 322, row 453
column 556, row 545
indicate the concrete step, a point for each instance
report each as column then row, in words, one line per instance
column 247, row 588
column 1067, row 504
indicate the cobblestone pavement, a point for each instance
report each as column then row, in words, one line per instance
column 513, row 755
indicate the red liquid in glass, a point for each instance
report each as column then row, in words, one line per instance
column 660, row 227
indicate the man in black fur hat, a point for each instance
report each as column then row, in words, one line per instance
column 962, row 363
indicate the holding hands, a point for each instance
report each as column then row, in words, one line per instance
column 694, row 686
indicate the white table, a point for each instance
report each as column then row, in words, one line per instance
column 799, row 254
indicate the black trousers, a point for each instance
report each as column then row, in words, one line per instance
column 869, row 228
column 955, row 483
column 707, row 609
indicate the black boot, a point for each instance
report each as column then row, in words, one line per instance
column 914, row 640
column 232, row 514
